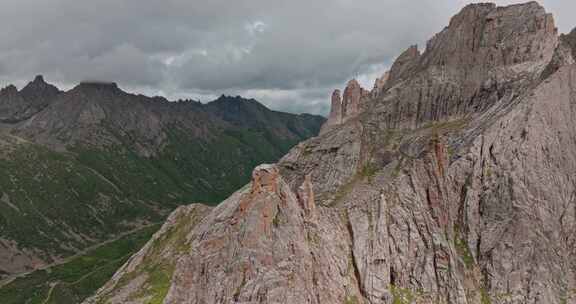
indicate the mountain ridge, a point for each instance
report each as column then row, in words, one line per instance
column 83, row 165
column 451, row 183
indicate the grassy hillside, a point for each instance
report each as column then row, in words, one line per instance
column 96, row 162
column 72, row 282
column 63, row 202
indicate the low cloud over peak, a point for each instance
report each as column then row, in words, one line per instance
column 289, row 56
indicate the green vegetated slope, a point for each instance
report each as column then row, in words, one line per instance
column 82, row 167
column 52, row 202
column 63, row 202
column 77, row 279
column 159, row 256
column 60, row 203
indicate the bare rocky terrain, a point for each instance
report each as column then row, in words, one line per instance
column 452, row 181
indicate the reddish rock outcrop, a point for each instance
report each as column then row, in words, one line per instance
column 306, row 198
column 351, row 99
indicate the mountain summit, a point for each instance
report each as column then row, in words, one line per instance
column 451, row 182
column 17, row 106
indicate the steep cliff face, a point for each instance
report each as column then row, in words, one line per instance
column 570, row 41
column 380, row 84
column 454, row 184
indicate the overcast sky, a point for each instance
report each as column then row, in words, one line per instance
column 287, row 54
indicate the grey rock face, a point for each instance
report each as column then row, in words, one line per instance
column 380, row 84
column 345, row 107
column 570, row 40
column 97, row 114
column 404, row 64
column 335, row 117
column 454, row 184
column 16, row 106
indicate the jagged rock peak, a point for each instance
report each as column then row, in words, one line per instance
column 21, row 105
column 337, row 97
column 39, row 86
column 335, row 116
column 345, row 106
column 474, row 11
column 353, row 83
column 486, row 35
column 10, row 89
column 264, row 178
column 99, row 85
column 478, row 40
column 336, row 107
column 351, row 99
column 411, row 53
column 404, row 64
column 39, row 79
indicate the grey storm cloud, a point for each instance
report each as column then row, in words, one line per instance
column 287, row 54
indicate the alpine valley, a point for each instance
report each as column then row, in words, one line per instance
column 451, row 181
column 87, row 174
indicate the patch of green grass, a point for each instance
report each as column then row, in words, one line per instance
column 464, row 252
column 463, row 249
column 307, row 151
column 313, row 238
column 175, row 237
column 439, row 128
column 351, row 300
column 97, row 191
column 158, row 283
column 485, row 297
column 58, row 203
column 276, row 220
column 368, row 171
column 398, row 168
column 239, row 288
column 53, row 195
column 76, row 280
column 344, row 190
column 158, row 262
column 401, row 295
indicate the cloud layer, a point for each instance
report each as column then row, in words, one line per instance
column 287, row 54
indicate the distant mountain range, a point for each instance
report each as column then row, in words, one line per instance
column 83, row 166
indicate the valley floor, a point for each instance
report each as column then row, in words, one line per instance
column 77, row 277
